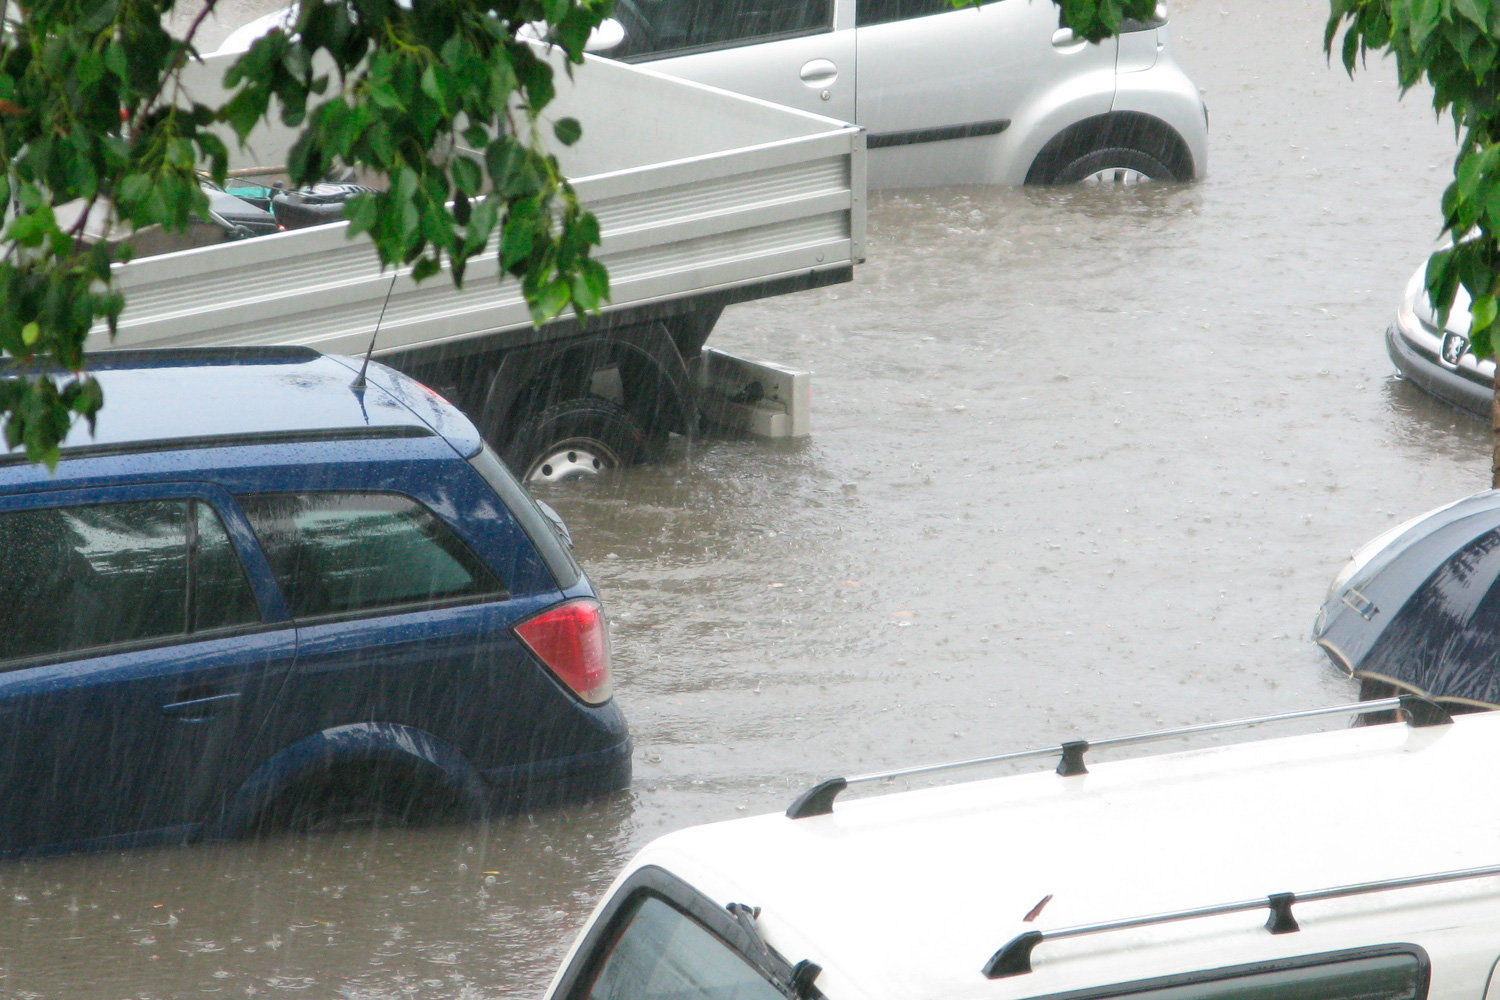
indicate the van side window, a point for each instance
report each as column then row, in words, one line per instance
column 1397, row 972
column 81, row 577
column 660, row 27
column 663, row 954
column 868, row 12
column 337, row 553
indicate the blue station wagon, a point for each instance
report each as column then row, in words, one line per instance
column 266, row 594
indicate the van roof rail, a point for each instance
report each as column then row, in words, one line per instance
column 818, row 800
column 1014, row 958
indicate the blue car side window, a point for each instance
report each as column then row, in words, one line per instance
column 222, row 597
column 343, row 553
column 100, row 575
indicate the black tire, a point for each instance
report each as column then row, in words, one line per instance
column 1116, row 158
column 359, row 797
column 575, row 438
column 1124, row 141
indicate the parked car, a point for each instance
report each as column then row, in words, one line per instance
column 998, row 94
column 298, row 208
column 1418, row 608
column 1439, row 361
column 994, row 95
column 264, row 595
column 228, row 218
column 1339, row 866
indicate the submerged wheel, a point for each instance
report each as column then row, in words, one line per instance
column 359, row 797
column 1119, row 148
column 1117, row 165
column 576, row 438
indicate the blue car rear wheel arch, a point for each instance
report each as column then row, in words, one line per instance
column 398, row 758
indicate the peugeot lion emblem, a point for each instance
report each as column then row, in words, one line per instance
column 1455, row 346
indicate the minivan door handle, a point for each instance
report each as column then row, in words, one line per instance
column 819, row 73
column 200, row 709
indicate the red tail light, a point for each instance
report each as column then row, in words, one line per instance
column 571, row 639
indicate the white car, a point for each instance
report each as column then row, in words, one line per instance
column 1355, row 864
column 997, row 94
column 1439, row 360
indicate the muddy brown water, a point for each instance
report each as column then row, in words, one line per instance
column 1083, row 463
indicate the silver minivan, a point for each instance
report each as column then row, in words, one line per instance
column 997, row 94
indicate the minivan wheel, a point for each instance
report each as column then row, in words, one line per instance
column 1117, row 166
column 576, row 438
column 1118, row 148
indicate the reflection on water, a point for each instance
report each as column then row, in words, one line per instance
column 1083, row 462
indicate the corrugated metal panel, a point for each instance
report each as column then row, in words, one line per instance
column 669, row 230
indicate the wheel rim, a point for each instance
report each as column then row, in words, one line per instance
column 578, row 458
column 1117, row 177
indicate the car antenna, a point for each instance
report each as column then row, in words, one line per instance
column 358, row 385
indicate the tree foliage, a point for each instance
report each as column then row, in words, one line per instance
column 1099, row 19
column 439, row 98
column 1453, row 45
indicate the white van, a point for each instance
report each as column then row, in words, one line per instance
column 1358, row 864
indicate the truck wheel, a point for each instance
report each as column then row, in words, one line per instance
column 576, row 438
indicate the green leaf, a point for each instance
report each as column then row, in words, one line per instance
column 434, row 85
column 1482, row 312
column 30, row 333
column 567, row 130
column 468, row 177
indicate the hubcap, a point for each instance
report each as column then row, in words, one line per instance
column 1120, row 176
column 572, row 460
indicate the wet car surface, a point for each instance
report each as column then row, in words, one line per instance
column 1083, row 462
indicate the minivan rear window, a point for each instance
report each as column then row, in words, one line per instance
column 338, row 553
column 663, row 954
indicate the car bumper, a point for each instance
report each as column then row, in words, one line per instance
column 561, row 779
column 1469, row 386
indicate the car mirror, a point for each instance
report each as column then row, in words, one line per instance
column 606, row 37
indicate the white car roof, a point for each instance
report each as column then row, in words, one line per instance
column 907, row 895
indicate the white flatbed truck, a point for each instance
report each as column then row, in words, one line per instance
column 704, row 198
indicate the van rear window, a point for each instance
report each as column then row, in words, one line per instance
column 663, row 954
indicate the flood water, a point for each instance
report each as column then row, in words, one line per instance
column 1083, row 463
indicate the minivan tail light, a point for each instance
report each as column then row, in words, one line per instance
column 573, row 641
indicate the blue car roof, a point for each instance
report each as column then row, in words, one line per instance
column 166, row 398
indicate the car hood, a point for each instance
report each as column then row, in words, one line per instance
column 1425, row 618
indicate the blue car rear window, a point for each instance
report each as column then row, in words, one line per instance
column 338, row 553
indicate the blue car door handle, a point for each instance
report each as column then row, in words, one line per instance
column 200, row 709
